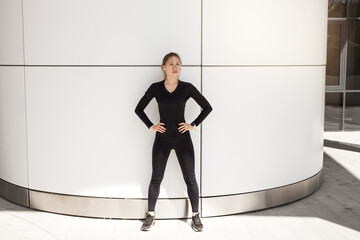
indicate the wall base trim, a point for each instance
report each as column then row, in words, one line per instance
column 134, row 208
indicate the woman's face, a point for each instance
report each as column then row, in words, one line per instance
column 172, row 67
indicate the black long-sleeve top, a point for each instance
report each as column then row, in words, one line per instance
column 172, row 105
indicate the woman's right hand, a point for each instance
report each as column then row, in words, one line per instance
column 158, row 127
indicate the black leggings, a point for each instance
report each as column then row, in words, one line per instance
column 184, row 150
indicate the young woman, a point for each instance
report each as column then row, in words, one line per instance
column 172, row 133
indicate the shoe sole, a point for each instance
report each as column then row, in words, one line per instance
column 195, row 229
column 147, row 229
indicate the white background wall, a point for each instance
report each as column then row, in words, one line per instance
column 88, row 63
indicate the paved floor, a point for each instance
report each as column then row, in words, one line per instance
column 332, row 212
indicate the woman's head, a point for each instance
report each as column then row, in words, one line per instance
column 171, row 65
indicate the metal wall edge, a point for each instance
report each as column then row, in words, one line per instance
column 134, row 208
column 247, row 202
column 124, row 208
column 14, row 193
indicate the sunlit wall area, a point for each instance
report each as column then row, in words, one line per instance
column 81, row 107
column 264, row 66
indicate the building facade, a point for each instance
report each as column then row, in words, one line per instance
column 342, row 98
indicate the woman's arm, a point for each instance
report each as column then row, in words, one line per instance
column 144, row 101
column 201, row 100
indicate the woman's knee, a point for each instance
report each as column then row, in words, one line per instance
column 156, row 179
column 190, row 180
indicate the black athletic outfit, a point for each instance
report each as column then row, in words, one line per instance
column 171, row 108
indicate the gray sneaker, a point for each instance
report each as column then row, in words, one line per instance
column 196, row 224
column 149, row 222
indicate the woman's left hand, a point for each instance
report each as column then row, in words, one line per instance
column 184, row 127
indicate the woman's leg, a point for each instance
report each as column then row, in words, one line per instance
column 185, row 153
column 160, row 155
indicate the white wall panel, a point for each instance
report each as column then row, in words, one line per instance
column 111, row 32
column 85, row 138
column 13, row 160
column 265, row 130
column 263, row 32
column 11, row 32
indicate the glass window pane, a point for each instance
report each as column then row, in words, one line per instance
column 352, row 111
column 354, row 8
column 353, row 55
column 337, row 8
column 333, row 54
column 333, row 111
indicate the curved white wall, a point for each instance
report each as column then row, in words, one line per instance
column 73, row 73
column 265, row 32
column 271, row 130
